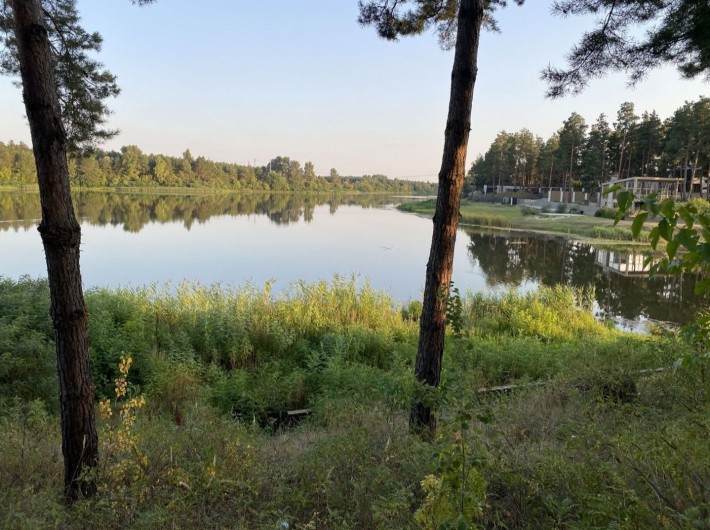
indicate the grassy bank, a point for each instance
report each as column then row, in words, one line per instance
column 522, row 218
column 599, row 444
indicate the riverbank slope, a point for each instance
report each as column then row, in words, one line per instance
column 583, row 227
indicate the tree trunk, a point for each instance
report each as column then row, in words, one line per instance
column 61, row 236
column 446, row 217
column 571, row 165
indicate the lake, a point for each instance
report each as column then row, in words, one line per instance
column 132, row 240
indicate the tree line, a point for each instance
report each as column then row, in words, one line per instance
column 130, row 167
column 582, row 156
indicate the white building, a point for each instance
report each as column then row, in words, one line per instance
column 641, row 187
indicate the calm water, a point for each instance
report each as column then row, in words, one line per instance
column 134, row 240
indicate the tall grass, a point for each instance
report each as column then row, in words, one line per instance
column 590, row 448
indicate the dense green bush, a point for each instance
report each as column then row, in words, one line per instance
column 606, row 213
column 27, row 358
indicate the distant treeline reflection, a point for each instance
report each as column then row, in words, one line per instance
column 514, row 259
column 133, row 211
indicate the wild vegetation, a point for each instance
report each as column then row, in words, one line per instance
column 494, row 215
column 194, row 384
column 642, row 479
column 130, row 167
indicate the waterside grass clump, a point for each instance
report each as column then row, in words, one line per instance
column 521, row 218
column 195, row 383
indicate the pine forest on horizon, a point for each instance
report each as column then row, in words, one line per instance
column 585, row 156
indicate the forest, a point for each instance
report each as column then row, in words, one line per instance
column 584, row 156
column 130, row 167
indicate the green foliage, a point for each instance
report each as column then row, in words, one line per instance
column 549, row 313
column 530, row 211
column 412, row 311
column 683, row 226
column 675, row 34
column 83, row 84
column 591, row 443
column 455, row 493
column 570, row 458
column 130, row 167
column 634, row 146
column 614, row 233
column 27, row 358
column 481, row 214
column 606, row 213
column 454, row 310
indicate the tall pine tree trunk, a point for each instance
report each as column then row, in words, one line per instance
column 61, row 236
column 446, row 217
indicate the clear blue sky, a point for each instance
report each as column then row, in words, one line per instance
column 245, row 80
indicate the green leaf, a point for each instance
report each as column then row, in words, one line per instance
column 665, row 229
column 668, row 209
column 672, row 248
column 654, row 236
column 637, row 225
column 651, row 204
column 615, row 187
column 624, row 199
column 687, row 216
column 690, row 261
column 703, row 251
column 688, row 238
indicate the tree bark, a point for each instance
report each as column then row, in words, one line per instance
column 61, row 236
column 446, row 217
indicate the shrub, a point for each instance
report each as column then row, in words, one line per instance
column 700, row 204
column 606, row 213
column 27, row 357
column 526, row 210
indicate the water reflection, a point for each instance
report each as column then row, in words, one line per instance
column 626, row 263
column 134, row 211
column 622, row 283
column 244, row 240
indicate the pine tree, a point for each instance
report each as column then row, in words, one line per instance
column 676, row 32
column 595, row 158
column 391, row 20
column 64, row 91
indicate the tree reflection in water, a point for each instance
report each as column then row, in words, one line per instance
column 505, row 258
column 134, row 211
column 622, row 288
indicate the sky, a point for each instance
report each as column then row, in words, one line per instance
column 245, row 81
